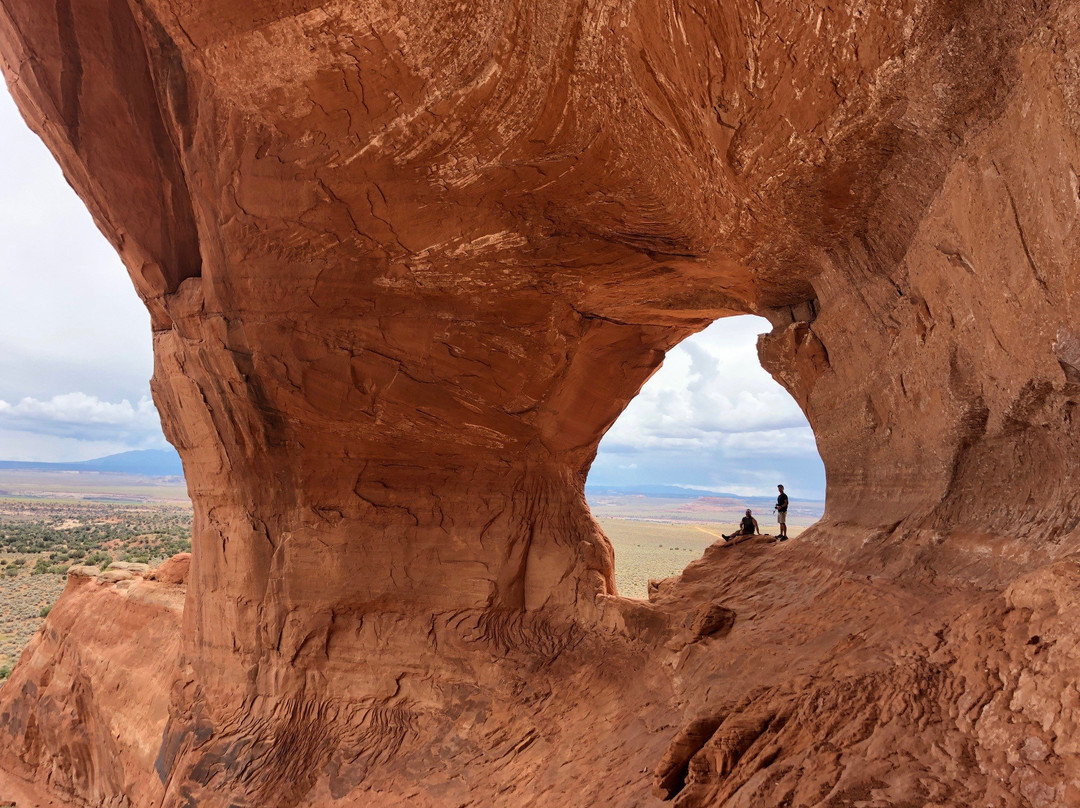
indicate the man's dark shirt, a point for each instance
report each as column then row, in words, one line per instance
column 781, row 503
column 747, row 526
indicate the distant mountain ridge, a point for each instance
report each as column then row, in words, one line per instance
column 166, row 463
column 672, row 503
column 662, row 491
column 144, row 462
column 678, row 492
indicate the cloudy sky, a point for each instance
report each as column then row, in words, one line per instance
column 75, row 361
column 712, row 418
column 74, row 339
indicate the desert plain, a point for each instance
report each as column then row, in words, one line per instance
column 51, row 521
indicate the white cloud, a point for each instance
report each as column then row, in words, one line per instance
column 69, row 316
column 713, row 394
column 52, row 449
column 84, row 417
column 69, row 319
column 712, row 417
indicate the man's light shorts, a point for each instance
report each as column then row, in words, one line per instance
column 781, row 518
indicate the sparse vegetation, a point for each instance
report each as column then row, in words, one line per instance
column 100, row 560
column 43, row 567
column 70, row 530
column 41, row 539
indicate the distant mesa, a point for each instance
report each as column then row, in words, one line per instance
column 146, row 462
column 698, row 496
column 659, row 491
column 676, row 503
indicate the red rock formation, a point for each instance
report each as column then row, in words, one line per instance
column 407, row 262
column 85, row 706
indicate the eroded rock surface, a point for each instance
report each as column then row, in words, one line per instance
column 406, row 262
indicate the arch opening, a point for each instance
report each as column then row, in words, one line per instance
column 709, row 435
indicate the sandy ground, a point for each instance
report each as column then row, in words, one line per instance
column 646, row 550
column 92, row 485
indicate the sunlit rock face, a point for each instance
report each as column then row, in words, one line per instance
column 407, row 262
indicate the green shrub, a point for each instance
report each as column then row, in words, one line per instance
column 12, row 572
column 43, row 567
column 44, row 612
column 5, row 672
column 99, row 559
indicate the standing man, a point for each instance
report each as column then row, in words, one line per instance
column 781, row 512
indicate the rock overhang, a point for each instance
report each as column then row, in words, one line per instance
column 407, row 263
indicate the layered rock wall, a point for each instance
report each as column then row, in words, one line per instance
column 407, row 262
column 933, row 362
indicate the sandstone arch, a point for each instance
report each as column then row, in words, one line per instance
column 406, row 262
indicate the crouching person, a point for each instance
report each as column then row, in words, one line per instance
column 747, row 527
